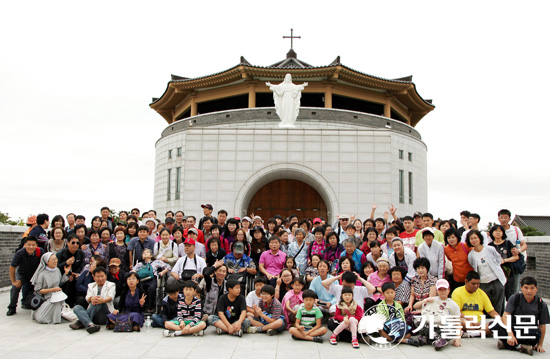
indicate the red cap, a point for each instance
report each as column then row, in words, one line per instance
column 190, row 241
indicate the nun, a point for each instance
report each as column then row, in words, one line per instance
column 47, row 281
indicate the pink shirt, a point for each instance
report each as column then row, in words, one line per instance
column 375, row 280
column 273, row 263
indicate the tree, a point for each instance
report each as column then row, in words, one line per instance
column 5, row 219
column 529, row 231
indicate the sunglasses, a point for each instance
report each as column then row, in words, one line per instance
column 73, row 243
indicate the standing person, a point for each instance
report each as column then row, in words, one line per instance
column 334, row 249
column 39, row 231
column 222, row 217
column 190, row 221
column 207, row 210
column 258, row 245
column 58, row 241
column 23, row 265
column 409, row 235
column 179, row 217
column 71, row 221
column 298, row 250
column 308, row 320
column 348, row 314
column 473, row 222
column 31, row 223
column 515, row 236
column 504, row 248
column 457, row 253
column 402, row 257
column 119, row 248
column 434, row 251
column 230, row 230
column 428, row 222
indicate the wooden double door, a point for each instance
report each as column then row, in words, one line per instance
column 286, row 197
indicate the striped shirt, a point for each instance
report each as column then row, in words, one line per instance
column 191, row 311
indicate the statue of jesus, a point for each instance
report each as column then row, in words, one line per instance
column 287, row 100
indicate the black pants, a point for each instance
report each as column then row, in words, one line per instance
column 528, row 333
column 150, row 287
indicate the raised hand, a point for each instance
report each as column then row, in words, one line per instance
column 142, row 300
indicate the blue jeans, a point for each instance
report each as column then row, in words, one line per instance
column 157, row 321
column 96, row 314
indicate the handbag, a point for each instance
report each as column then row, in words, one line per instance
column 36, row 301
column 146, row 271
column 519, row 266
column 67, row 313
column 123, row 324
column 187, row 274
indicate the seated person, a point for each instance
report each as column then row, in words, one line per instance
column 169, row 306
column 325, row 299
column 360, row 293
column 525, row 303
column 147, row 271
column 231, row 316
column 117, row 276
column 188, row 320
column 347, row 316
column 214, row 252
column 439, row 307
column 268, row 314
column 85, row 278
column 292, row 301
column 253, row 298
column 308, row 320
column 131, row 304
column 239, row 265
column 100, row 296
column 189, row 266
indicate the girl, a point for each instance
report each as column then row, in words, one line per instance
column 259, row 244
column 214, row 252
column 131, row 304
column 290, row 264
column 292, row 300
column 240, row 236
column 119, row 248
column 132, row 232
column 311, row 271
column 348, row 313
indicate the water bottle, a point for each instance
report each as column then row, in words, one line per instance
column 148, row 324
column 518, row 243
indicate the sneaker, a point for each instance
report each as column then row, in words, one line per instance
column 440, row 343
column 320, row 340
column 238, row 333
column 219, row 331
column 525, row 349
column 355, row 343
column 500, row 344
column 168, row 333
column 332, row 340
column 76, row 325
column 92, row 328
column 414, row 342
column 422, row 340
column 253, row 329
column 11, row 312
column 271, row 332
column 294, row 337
column 200, row 333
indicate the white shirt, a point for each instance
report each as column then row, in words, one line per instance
column 440, row 308
column 436, row 255
column 189, row 264
column 485, row 272
column 252, row 299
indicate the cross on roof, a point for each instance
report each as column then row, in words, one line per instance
column 292, row 37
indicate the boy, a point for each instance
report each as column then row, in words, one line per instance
column 253, row 298
column 169, row 309
column 439, row 307
column 398, row 315
column 268, row 314
column 188, row 321
column 308, row 320
column 231, row 309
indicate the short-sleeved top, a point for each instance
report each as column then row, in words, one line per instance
column 186, row 263
column 308, row 318
column 274, row 309
column 26, row 264
column 472, row 303
column 252, row 299
column 525, row 308
column 273, row 263
column 139, row 247
column 422, row 291
column 440, row 308
column 231, row 309
column 403, row 292
column 376, row 281
column 360, row 293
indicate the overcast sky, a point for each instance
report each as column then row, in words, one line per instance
column 76, row 79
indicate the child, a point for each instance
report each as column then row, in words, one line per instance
column 188, row 321
column 348, row 313
column 169, row 308
column 311, row 271
column 231, row 309
column 253, row 298
column 292, row 300
column 382, row 308
column 268, row 314
column 308, row 320
column 290, row 264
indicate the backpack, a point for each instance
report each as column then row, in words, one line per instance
column 539, row 303
column 519, row 266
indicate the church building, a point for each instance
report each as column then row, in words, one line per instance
column 354, row 143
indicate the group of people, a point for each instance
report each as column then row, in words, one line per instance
column 244, row 275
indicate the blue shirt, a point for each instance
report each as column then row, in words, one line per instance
column 321, row 292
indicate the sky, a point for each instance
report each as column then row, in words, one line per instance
column 76, row 80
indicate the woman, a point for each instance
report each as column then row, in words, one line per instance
column 375, row 253
column 215, row 232
column 119, row 248
column 132, row 232
column 80, row 231
column 214, row 286
column 370, row 235
column 57, row 222
column 96, row 225
column 58, row 241
column 96, row 248
column 285, row 245
column 123, row 217
column 298, row 250
column 402, row 287
column 47, row 280
column 504, row 248
column 444, row 226
column 284, row 283
column 351, row 251
column 131, row 304
column 377, row 279
column 240, row 236
column 166, row 250
column 457, row 254
column 230, row 230
column 358, row 229
column 177, row 233
column 422, row 284
column 258, row 245
column 486, row 261
column 105, row 234
column 214, row 253
column 318, row 246
column 334, row 249
column 271, row 228
column 347, row 265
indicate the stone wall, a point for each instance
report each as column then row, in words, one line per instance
column 538, row 263
column 10, row 237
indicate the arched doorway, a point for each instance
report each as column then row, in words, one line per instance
column 286, row 197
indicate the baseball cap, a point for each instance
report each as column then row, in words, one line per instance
column 260, row 218
column 441, row 283
column 114, row 262
column 169, row 220
column 427, row 230
column 190, row 241
column 343, row 216
column 317, row 220
column 209, row 206
column 246, row 218
column 193, row 230
column 417, row 214
column 238, row 247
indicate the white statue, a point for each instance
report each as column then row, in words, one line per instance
column 287, row 100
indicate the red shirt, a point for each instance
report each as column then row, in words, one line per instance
column 200, row 236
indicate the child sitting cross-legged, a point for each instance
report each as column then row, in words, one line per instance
column 308, row 320
column 231, row 309
column 169, row 307
column 292, row 300
column 268, row 314
column 253, row 298
column 188, row 321
column 348, row 313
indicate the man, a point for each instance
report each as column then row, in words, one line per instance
column 238, row 262
column 170, row 223
column 514, row 235
column 207, row 224
column 417, row 216
column 39, row 231
column 402, row 257
column 138, row 244
column 428, row 222
column 293, row 218
column 222, row 217
column 464, row 215
column 169, row 214
column 152, row 214
column 80, row 219
column 434, row 252
column 72, row 256
column 343, row 221
column 71, row 221
column 136, row 212
column 200, row 249
column 207, row 210
column 473, row 224
column 31, row 223
column 100, row 296
column 179, row 218
column 273, row 261
column 22, row 267
column 409, row 235
column 105, row 212
column 191, row 220
column 190, row 266
column 526, row 303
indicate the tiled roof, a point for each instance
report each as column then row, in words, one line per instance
column 541, row 223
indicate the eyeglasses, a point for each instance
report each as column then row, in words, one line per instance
column 287, row 275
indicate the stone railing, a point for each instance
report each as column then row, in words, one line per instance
column 10, row 237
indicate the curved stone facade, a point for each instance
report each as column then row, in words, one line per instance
column 351, row 159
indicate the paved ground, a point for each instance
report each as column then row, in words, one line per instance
column 22, row 338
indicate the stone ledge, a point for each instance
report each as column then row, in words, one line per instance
column 13, row 229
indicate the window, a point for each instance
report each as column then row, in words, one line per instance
column 179, row 151
column 410, row 188
column 178, row 180
column 400, row 154
column 401, row 188
column 168, row 193
column 169, row 155
column 410, row 156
